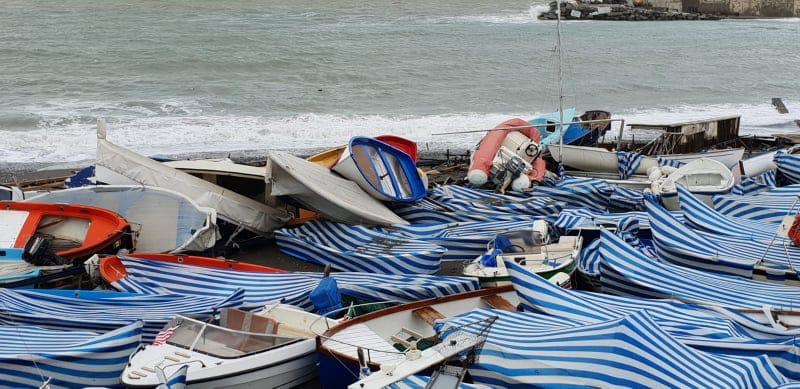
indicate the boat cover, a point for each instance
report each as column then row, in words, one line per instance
column 581, row 218
column 629, row 162
column 464, row 241
column 680, row 244
column 429, row 211
column 83, row 310
column 632, row 351
column 29, row 356
column 627, row 228
column 713, row 329
column 230, row 206
column 358, row 248
column 768, row 206
column 591, row 193
column 788, row 167
column 703, row 217
column 627, row 272
column 167, row 221
column 752, row 185
column 156, row 277
column 461, row 198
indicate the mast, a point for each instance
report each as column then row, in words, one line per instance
column 560, row 80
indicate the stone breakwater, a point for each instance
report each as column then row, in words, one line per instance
column 582, row 11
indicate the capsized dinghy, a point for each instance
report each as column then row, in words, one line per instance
column 271, row 349
column 231, row 207
column 75, row 232
column 315, row 187
column 385, row 172
column 703, row 177
column 167, row 221
column 531, row 249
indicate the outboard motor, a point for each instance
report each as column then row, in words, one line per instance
column 39, row 251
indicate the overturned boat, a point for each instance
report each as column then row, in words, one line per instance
column 703, row 177
column 237, row 209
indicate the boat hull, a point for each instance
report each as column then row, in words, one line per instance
column 595, row 159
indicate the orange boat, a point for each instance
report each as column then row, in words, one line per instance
column 76, row 232
column 112, row 269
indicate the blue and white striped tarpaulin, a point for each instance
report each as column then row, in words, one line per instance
column 629, row 162
column 719, row 330
column 627, row 272
column 752, row 185
column 788, row 167
column 463, row 199
column 713, row 252
column 703, row 217
column 768, row 207
column 428, row 211
column 629, row 352
column 358, row 248
column 591, row 193
column 628, row 229
column 290, row 288
column 581, row 219
column 464, row 241
column 30, row 356
column 105, row 311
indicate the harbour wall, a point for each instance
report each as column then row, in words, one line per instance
column 748, row 8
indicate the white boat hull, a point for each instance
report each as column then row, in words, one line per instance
column 317, row 188
column 705, row 178
column 595, row 159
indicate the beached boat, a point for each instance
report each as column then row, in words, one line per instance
column 328, row 158
column 36, row 357
column 315, row 187
column 383, row 171
column 219, row 278
column 596, row 159
column 703, row 177
column 406, row 145
column 74, row 232
column 530, row 249
column 166, row 221
column 509, row 156
column 243, row 179
column 386, row 335
column 231, row 207
column 271, row 349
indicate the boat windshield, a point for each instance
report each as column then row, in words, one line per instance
column 222, row 342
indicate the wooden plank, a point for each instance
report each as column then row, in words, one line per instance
column 499, row 302
column 778, row 103
column 428, row 314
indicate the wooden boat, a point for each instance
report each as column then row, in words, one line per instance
column 112, row 270
column 386, row 173
column 596, row 159
column 75, row 232
column 509, row 155
column 530, row 249
column 328, row 158
column 167, row 220
column 234, row 208
column 269, row 349
column 315, row 187
column 704, row 177
column 385, row 335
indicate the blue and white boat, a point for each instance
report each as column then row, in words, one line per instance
column 385, row 172
column 37, row 357
column 14, row 268
column 359, row 249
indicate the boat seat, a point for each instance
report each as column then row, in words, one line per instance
column 499, row 302
column 247, row 322
column 428, row 314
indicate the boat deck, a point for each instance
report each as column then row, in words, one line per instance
column 361, row 335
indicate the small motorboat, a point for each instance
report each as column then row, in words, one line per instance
column 597, row 159
column 509, row 155
column 74, row 232
column 704, row 177
column 273, row 348
column 386, row 336
column 316, row 188
column 530, row 249
column 167, row 221
column 383, row 171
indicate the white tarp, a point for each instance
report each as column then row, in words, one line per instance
column 230, row 206
column 317, row 188
column 165, row 221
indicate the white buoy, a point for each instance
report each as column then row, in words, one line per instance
column 521, row 183
column 477, row 177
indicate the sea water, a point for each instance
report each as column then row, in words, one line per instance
column 209, row 75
